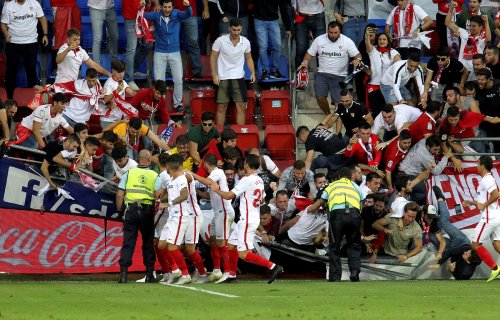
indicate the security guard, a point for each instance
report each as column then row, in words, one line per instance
column 344, row 205
column 138, row 187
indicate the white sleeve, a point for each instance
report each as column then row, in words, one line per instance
column 214, row 176
column 5, row 14
column 38, row 10
column 313, row 49
column 420, row 14
column 109, row 86
column 85, row 55
column 62, row 48
column 271, row 166
column 39, row 114
column 352, row 49
column 182, row 182
column 216, row 45
column 376, row 124
column 248, row 48
column 490, row 184
column 390, row 18
column 242, row 186
column 64, row 123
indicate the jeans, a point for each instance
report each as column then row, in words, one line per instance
column 354, row 29
column 190, row 28
column 174, row 61
column 268, row 31
column 107, row 166
column 224, row 27
column 30, row 142
column 457, row 237
column 130, row 49
column 97, row 18
column 332, row 163
column 316, row 25
column 418, row 192
column 390, row 97
column 70, row 121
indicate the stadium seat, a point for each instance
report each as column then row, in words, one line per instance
column 283, row 164
column 275, row 107
column 280, row 141
column 247, row 136
column 206, row 75
column 3, row 94
column 283, row 69
column 177, row 132
column 23, row 96
column 201, row 101
column 249, row 112
column 105, row 63
column 94, row 124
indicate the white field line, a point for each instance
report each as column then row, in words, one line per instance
column 204, row 291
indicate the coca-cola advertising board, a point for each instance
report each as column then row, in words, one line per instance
column 460, row 186
column 31, row 242
column 23, row 182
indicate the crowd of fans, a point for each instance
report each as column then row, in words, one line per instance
column 399, row 126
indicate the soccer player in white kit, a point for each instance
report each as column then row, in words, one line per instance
column 251, row 191
column 193, row 230
column 487, row 203
column 223, row 216
column 172, row 235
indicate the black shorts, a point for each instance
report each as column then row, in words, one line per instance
column 231, row 88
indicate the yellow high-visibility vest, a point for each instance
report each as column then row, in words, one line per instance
column 140, row 186
column 342, row 192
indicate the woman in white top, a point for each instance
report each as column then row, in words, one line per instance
column 381, row 57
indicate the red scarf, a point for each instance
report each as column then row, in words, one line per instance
column 142, row 27
column 408, row 22
column 471, row 47
column 384, row 50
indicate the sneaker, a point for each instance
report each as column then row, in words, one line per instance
column 438, row 193
column 230, row 280
column 494, row 274
column 179, row 108
column 133, row 86
column 184, row 280
column 264, row 75
column 140, row 75
column 201, row 279
column 275, row 272
column 174, row 276
column 144, row 279
column 276, row 75
column 223, row 278
column 165, row 278
column 195, row 276
column 354, row 277
column 215, row 276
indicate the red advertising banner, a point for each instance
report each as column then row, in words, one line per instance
column 31, row 242
column 460, row 186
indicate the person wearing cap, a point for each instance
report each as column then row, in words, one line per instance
column 428, row 221
column 463, row 260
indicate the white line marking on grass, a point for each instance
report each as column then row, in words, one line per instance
column 204, row 291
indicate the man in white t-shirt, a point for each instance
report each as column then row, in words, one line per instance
column 393, row 82
column 86, row 93
column 489, row 224
column 114, row 85
column 393, row 119
column 33, row 129
column 251, row 191
column 19, row 25
column 70, row 57
column 406, row 20
column 223, row 214
column 121, row 162
column 472, row 41
column 227, row 61
column 333, row 50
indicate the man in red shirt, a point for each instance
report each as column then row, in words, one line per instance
column 394, row 153
column 463, row 124
column 150, row 100
column 362, row 147
column 425, row 125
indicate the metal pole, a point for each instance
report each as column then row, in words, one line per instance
column 486, row 139
column 473, row 154
column 41, row 152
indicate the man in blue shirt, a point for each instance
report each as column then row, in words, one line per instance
column 167, row 24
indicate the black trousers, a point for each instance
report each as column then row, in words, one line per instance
column 138, row 218
column 14, row 53
column 344, row 224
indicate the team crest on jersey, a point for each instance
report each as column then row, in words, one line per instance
column 429, row 126
column 352, row 114
column 389, row 164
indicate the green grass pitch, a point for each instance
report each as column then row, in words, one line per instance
column 284, row 299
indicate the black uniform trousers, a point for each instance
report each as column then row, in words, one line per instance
column 344, row 223
column 138, row 217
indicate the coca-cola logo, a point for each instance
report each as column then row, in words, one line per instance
column 72, row 243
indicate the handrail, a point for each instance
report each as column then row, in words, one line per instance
column 478, row 139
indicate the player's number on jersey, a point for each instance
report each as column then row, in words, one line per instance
column 257, row 197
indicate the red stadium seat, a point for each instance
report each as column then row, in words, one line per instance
column 280, row 141
column 249, row 112
column 248, row 136
column 94, row 124
column 23, row 96
column 3, row 94
column 206, row 75
column 177, row 132
column 275, row 107
column 201, row 101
